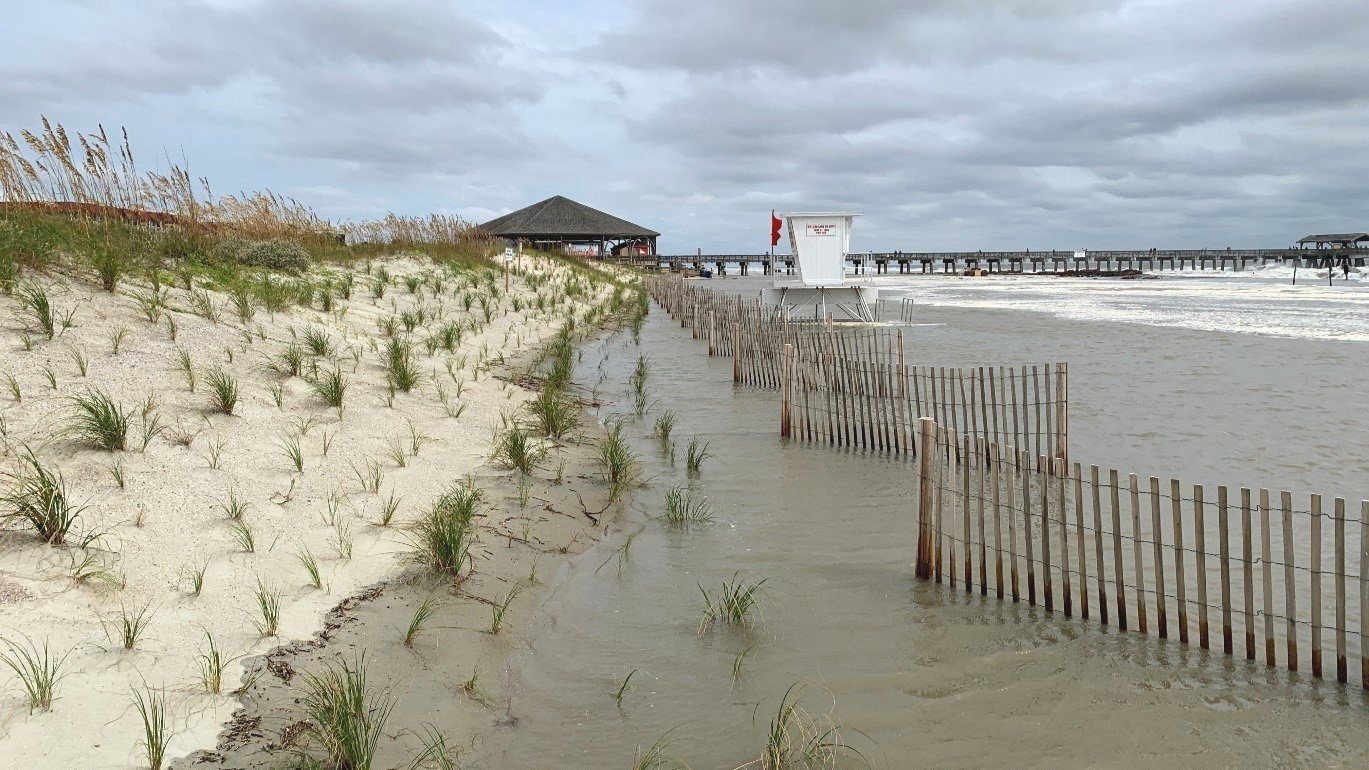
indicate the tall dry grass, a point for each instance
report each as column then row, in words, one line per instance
column 79, row 192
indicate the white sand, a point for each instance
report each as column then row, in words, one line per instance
column 168, row 519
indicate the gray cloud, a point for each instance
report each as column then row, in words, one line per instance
column 979, row 124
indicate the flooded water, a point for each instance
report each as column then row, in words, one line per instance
column 915, row 673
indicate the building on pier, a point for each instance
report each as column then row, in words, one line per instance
column 1337, row 241
column 562, row 224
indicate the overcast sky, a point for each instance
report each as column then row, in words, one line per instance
column 951, row 124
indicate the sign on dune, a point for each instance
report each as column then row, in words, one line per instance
column 819, row 243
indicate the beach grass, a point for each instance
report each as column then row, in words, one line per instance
column 735, row 604
column 444, row 535
column 345, row 719
column 99, row 421
column 38, row 497
column 38, row 668
column 157, row 734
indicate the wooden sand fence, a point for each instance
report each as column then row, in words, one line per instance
column 850, row 386
column 1002, row 508
column 1280, row 583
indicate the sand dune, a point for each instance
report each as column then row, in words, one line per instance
column 172, row 516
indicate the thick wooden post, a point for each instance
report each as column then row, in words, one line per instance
column 1364, row 593
column 1315, row 593
column 926, row 453
column 1342, row 673
column 1062, row 411
column 1290, row 589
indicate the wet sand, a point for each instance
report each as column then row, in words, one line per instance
column 453, row 680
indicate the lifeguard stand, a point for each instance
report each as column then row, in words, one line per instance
column 819, row 242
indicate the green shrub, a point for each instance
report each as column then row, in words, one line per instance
column 274, row 254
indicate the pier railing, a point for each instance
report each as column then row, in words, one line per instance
column 1265, row 577
column 1002, row 508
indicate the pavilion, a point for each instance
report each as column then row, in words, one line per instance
column 1339, row 241
column 561, row 223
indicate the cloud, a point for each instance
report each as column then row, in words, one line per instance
column 950, row 123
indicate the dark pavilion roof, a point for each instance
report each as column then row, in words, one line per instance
column 1344, row 238
column 559, row 217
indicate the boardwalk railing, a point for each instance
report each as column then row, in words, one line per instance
column 1158, row 557
column 849, row 385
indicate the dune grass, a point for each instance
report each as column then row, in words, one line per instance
column 268, row 609
column 344, row 720
column 443, row 537
column 553, row 413
column 685, row 506
column 151, row 706
column 99, row 422
column 516, row 448
column 223, row 391
column 695, row 455
column 38, row 497
column 735, row 604
column 617, row 462
column 798, row 739
column 129, row 627
column 39, row 670
column 211, row 664
column 401, row 368
column 425, row 611
column 331, row 387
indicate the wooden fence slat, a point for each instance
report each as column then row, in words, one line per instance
column 997, row 519
column 1098, row 545
column 979, row 453
column 1012, row 525
column 965, row 460
column 1364, row 593
column 1200, row 565
column 1114, row 487
column 1065, row 582
column 1315, row 579
column 1158, row 539
column 1267, row 581
column 1247, row 575
column 1224, row 564
column 1138, row 550
column 1078, row 474
column 1339, row 535
column 1290, row 584
column 1176, row 506
column 1043, row 481
column 1024, row 467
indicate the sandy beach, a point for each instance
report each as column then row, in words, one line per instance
column 178, row 505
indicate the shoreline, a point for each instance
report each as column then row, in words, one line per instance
column 370, row 626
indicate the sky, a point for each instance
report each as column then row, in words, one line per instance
column 949, row 124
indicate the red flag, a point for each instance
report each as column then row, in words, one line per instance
column 775, row 225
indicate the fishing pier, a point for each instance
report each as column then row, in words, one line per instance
column 1018, row 262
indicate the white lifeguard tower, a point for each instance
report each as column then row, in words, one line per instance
column 819, row 243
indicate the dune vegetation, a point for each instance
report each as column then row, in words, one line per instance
column 223, row 415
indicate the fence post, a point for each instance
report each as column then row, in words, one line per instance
column 1062, row 411
column 736, row 352
column 926, row 451
column 787, row 390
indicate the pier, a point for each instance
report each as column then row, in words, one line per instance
column 1017, row 262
